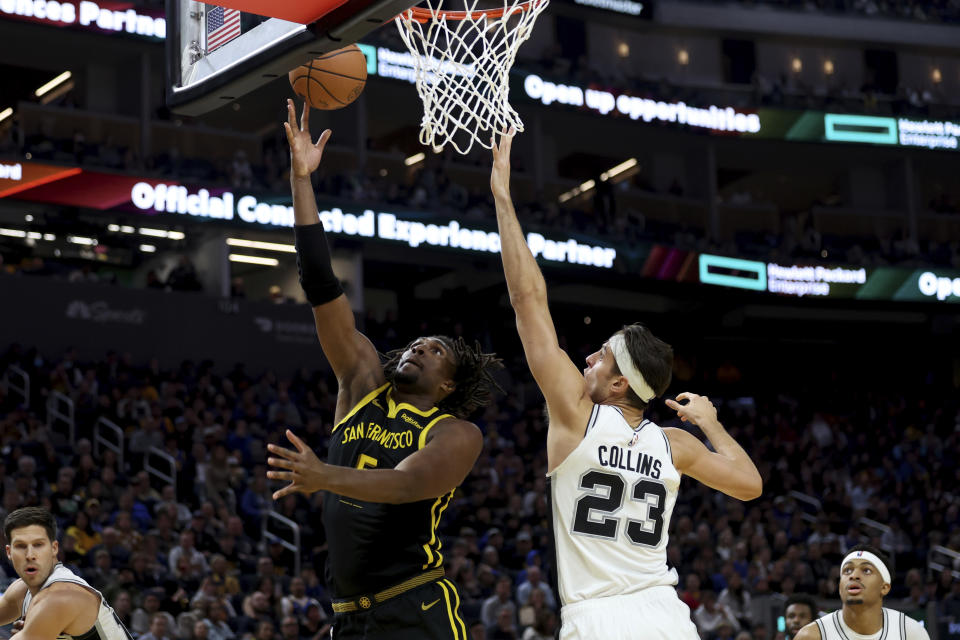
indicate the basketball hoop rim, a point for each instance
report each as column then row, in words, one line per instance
column 418, row 14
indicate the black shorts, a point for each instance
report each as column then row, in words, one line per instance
column 429, row 612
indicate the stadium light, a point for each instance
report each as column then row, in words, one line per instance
column 148, row 248
column 269, row 262
column 266, row 246
column 617, row 170
column 82, row 240
column 415, row 158
column 157, row 233
column 53, row 84
column 176, row 235
column 576, row 191
column 6, row 113
column 683, row 57
column 13, row 233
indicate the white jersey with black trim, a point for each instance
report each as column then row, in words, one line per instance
column 107, row 626
column 612, row 501
column 896, row 626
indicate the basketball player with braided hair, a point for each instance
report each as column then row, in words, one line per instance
column 400, row 446
column 865, row 579
column 614, row 475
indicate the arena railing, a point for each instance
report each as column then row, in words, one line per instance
column 813, row 506
column 17, row 380
column 291, row 545
column 60, row 411
column 941, row 558
column 103, row 425
column 878, row 529
column 169, row 477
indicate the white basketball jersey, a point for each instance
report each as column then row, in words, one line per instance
column 107, row 626
column 896, row 626
column 612, row 501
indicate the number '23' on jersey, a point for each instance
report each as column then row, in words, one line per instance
column 612, row 500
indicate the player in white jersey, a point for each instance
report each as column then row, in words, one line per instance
column 52, row 601
column 864, row 580
column 614, row 476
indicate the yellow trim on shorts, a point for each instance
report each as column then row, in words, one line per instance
column 366, row 400
column 456, row 609
column 450, row 614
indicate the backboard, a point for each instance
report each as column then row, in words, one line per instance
column 216, row 54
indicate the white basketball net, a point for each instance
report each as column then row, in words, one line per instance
column 462, row 71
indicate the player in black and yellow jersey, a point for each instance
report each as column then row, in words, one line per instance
column 400, row 447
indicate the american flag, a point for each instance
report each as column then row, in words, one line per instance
column 223, row 25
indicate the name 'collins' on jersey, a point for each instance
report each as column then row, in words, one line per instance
column 612, row 501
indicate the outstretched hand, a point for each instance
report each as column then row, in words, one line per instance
column 500, row 174
column 698, row 410
column 304, row 471
column 304, row 153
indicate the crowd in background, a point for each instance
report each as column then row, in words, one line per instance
column 190, row 561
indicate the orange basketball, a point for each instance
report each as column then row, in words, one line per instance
column 333, row 80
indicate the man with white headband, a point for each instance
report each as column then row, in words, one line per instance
column 614, row 475
column 864, row 580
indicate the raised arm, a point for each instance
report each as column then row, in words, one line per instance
column 729, row 469
column 559, row 379
column 352, row 356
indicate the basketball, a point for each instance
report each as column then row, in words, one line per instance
column 331, row 81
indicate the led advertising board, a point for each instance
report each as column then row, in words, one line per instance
column 832, row 281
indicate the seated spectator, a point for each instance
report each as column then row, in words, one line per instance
column 141, row 620
column 532, row 582
column 186, row 550
column 289, row 628
column 256, row 609
column 737, row 600
column 691, row 592
column 544, row 627
column 265, row 631
column 499, row 601
column 217, row 621
column 122, row 605
column 297, row 601
column 709, row 616
column 505, row 628
column 536, row 604
column 314, row 625
column 83, row 532
column 160, row 628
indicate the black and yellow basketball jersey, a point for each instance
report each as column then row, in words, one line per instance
column 375, row 545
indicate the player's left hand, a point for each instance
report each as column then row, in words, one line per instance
column 304, row 471
column 16, row 627
column 500, row 174
column 698, row 410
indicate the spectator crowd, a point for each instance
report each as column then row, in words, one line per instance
column 190, row 560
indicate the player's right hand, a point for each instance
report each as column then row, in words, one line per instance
column 304, row 153
column 698, row 410
column 16, row 627
column 500, row 173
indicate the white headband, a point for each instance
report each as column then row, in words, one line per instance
column 618, row 346
column 872, row 559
